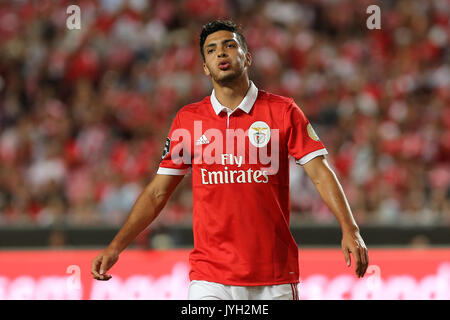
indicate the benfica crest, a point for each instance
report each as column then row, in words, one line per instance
column 259, row 134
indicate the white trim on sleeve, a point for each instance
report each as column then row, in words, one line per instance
column 302, row 161
column 173, row 172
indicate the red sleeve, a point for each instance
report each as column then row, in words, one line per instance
column 302, row 141
column 176, row 157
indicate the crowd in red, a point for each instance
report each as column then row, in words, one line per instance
column 84, row 113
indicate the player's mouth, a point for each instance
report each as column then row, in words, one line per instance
column 224, row 65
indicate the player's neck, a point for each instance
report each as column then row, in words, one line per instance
column 232, row 94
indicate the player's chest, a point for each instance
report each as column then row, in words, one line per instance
column 236, row 140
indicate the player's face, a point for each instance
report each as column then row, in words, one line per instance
column 225, row 59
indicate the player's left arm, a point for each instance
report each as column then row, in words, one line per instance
column 330, row 190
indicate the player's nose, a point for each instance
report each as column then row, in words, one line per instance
column 221, row 54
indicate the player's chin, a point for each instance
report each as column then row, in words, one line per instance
column 226, row 76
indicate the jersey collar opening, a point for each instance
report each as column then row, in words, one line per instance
column 246, row 104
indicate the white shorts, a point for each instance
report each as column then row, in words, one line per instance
column 205, row 290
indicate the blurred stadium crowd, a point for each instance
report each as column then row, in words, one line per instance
column 84, row 113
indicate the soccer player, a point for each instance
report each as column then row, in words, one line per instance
column 236, row 143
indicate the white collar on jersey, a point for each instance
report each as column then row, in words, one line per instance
column 245, row 105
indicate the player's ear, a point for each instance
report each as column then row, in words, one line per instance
column 206, row 70
column 248, row 59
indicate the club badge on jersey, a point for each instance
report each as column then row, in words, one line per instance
column 259, row 134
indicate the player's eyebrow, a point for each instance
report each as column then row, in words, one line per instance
column 214, row 44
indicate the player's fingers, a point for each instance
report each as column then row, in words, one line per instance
column 104, row 277
column 107, row 262
column 95, row 266
column 364, row 260
column 356, row 256
column 105, row 265
column 346, row 252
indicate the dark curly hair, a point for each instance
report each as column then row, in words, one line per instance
column 218, row 25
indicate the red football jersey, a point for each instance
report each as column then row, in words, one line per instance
column 240, row 180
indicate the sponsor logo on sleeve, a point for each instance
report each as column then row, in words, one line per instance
column 166, row 148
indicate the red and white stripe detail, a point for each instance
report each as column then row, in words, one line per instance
column 294, row 291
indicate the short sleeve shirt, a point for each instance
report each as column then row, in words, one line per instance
column 240, row 179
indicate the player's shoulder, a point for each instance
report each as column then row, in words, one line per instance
column 194, row 108
column 275, row 100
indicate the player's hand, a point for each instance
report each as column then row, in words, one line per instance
column 352, row 243
column 102, row 263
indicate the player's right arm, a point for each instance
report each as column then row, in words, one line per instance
column 147, row 207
